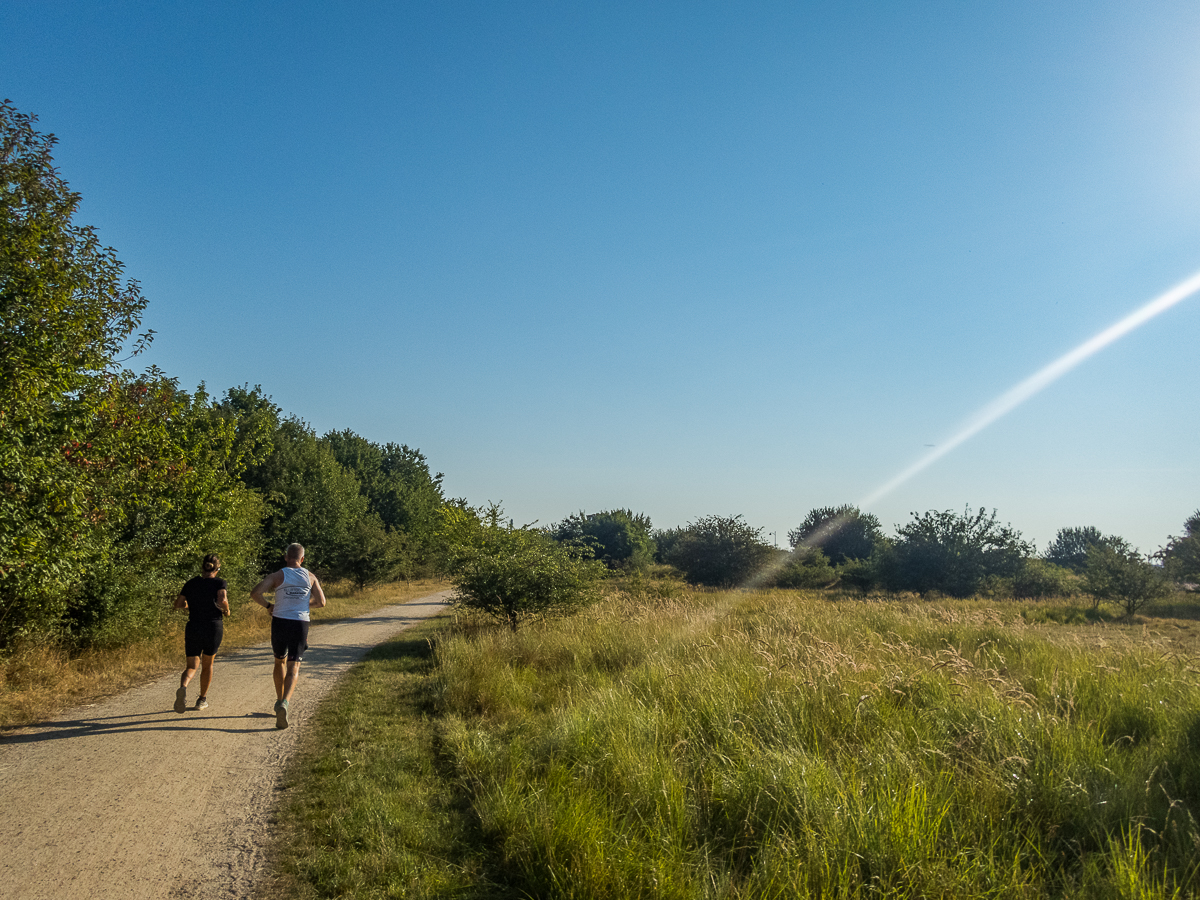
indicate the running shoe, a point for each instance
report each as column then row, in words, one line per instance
column 201, row 703
column 181, row 700
column 281, row 714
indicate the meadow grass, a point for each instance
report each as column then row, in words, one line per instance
column 670, row 743
column 39, row 678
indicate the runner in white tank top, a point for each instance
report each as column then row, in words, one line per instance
column 296, row 592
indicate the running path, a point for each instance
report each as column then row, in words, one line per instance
column 129, row 800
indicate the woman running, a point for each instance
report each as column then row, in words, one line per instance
column 207, row 602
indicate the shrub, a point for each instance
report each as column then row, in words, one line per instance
column 841, row 533
column 805, row 570
column 619, row 538
column 719, row 551
column 1118, row 573
column 1038, row 579
column 1181, row 556
column 955, row 554
column 1070, row 547
column 513, row 573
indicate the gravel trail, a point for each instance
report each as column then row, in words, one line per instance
column 126, row 799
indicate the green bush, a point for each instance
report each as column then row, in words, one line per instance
column 1120, row 575
column 513, row 573
column 1038, row 578
column 618, row 537
column 720, row 551
column 841, row 533
column 806, row 571
column 956, row 555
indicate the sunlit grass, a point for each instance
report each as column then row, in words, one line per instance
column 783, row 744
column 38, row 679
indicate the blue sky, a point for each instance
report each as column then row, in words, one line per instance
column 688, row 258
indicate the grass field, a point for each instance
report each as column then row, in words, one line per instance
column 669, row 743
column 38, row 679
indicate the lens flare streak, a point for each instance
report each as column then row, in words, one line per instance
column 1039, row 381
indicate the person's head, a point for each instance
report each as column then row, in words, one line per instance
column 211, row 563
column 294, row 553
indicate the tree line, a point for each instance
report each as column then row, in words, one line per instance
column 114, row 483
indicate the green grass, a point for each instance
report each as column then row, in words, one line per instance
column 773, row 744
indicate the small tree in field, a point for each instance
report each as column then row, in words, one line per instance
column 955, row 554
column 720, row 551
column 619, row 538
column 1070, row 546
column 841, row 533
column 1181, row 556
column 513, row 573
column 1118, row 573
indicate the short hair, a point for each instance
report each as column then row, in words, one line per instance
column 294, row 552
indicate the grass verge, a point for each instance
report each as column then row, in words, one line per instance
column 37, row 680
column 754, row 745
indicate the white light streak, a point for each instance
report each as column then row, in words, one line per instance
column 1039, row 381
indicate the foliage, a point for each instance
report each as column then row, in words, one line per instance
column 400, row 491
column 955, row 554
column 841, row 533
column 1039, row 578
column 719, row 551
column 1118, row 573
column 513, row 573
column 1181, row 556
column 1070, row 546
column 805, row 570
column 619, row 538
column 665, row 540
column 311, row 499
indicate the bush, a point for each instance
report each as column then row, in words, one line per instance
column 720, row 551
column 1038, row 579
column 1118, row 573
column 1070, row 546
column 805, row 570
column 1181, row 556
column 513, row 573
column 955, row 554
column 618, row 537
column 841, row 533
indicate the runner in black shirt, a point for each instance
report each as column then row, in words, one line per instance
column 207, row 603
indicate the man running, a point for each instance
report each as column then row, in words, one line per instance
column 296, row 591
column 207, row 601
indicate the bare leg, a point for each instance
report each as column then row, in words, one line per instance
column 193, row 663
column 279, row 677
column 206, row 670
column 289, row 681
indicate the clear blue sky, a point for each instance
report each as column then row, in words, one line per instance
column 688, row 258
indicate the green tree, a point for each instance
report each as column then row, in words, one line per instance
column 955, row 554
column 1181, row 556
column 720, row 551
column 841, row 533
column 1070, row 546
column 515, row 573
column 1039, row 578
column 310, row 499
column 396, row 481
column 619, row 538
column 1118, row 573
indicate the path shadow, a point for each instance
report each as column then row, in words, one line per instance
column 67, row 729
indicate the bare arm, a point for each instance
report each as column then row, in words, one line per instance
column 317, row 597
column 270, row 583
column 223, row 601
column 181, row 602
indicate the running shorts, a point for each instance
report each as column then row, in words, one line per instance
column 203, row 638
column 289, row 637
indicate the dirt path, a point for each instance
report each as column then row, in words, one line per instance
column 127, row 799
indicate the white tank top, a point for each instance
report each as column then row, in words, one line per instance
column 291, row 597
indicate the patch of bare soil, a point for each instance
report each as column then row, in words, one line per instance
column 127, row 799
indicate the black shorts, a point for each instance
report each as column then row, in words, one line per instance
column 203, row 638
column 289, row 637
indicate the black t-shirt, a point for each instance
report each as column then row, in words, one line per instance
column 201, row 596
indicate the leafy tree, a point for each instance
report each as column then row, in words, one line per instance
column 399, row 489
column 955, row 554
column 841, row 533
column 514, row 573
column 720, row 551
column 1070, row 546
column 310, row 499
column 618, row 537
column 665, row 540
column 1118, row 573
column 1181, row 556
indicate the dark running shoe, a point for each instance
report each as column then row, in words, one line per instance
column 181, row 700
